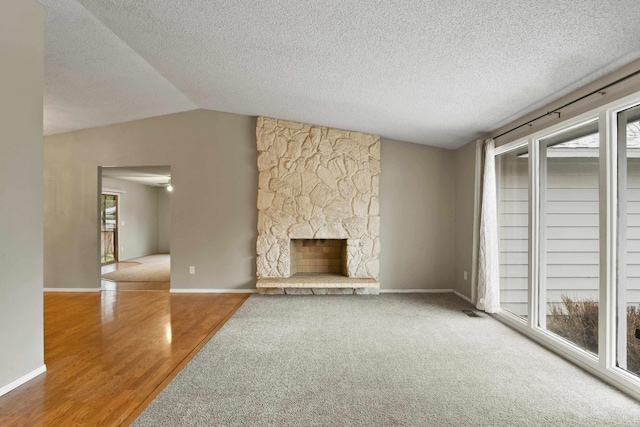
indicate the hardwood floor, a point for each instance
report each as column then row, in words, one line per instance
column 109, row 354
column 109, row 285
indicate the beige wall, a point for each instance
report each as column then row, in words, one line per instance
column 214, row 171
column 465, row 171
column 213, row 217
column 417, row 210
column 21, row 89
column 164, row 221
column 138, row 210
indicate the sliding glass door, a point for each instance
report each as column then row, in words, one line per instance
column 109, row 228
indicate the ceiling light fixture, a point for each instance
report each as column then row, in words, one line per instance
column 169, row 186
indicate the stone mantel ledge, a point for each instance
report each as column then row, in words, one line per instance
column 317, row 284
column 317, row 281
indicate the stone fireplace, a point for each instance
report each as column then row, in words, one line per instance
column 318, row 209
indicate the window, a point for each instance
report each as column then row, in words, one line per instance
column 513, row 216
column 628, row 290
column 569, row 235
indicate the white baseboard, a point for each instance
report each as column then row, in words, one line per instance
column 415, row 291
column 464, row 297
column 23, row 379
column 382, row 291
column 72, row 289
column 212, row 291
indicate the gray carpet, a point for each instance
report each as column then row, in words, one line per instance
column 391, row 360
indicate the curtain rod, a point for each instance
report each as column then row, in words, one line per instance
column 557, row 110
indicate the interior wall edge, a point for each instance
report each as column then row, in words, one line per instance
column 22, row 25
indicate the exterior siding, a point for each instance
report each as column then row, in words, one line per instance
column 572, row 230
column 513, row 196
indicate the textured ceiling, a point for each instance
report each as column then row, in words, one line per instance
column 432, row 72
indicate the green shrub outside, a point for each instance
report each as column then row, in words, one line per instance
column 577, row 321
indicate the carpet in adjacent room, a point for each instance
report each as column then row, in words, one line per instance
column 150, row 268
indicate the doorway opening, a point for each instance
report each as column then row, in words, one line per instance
column 135, row 223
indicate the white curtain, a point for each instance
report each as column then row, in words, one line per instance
column 488, row 254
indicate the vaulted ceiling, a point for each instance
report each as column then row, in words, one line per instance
column 432, row 72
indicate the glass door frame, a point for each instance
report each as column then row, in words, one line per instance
column 622, row 120
column 116, row 240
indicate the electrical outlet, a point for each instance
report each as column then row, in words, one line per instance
column 465, row 275
column 121, row 249
column 192, row 269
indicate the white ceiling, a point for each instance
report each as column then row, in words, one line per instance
column 155, row 176
column 432, row 72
